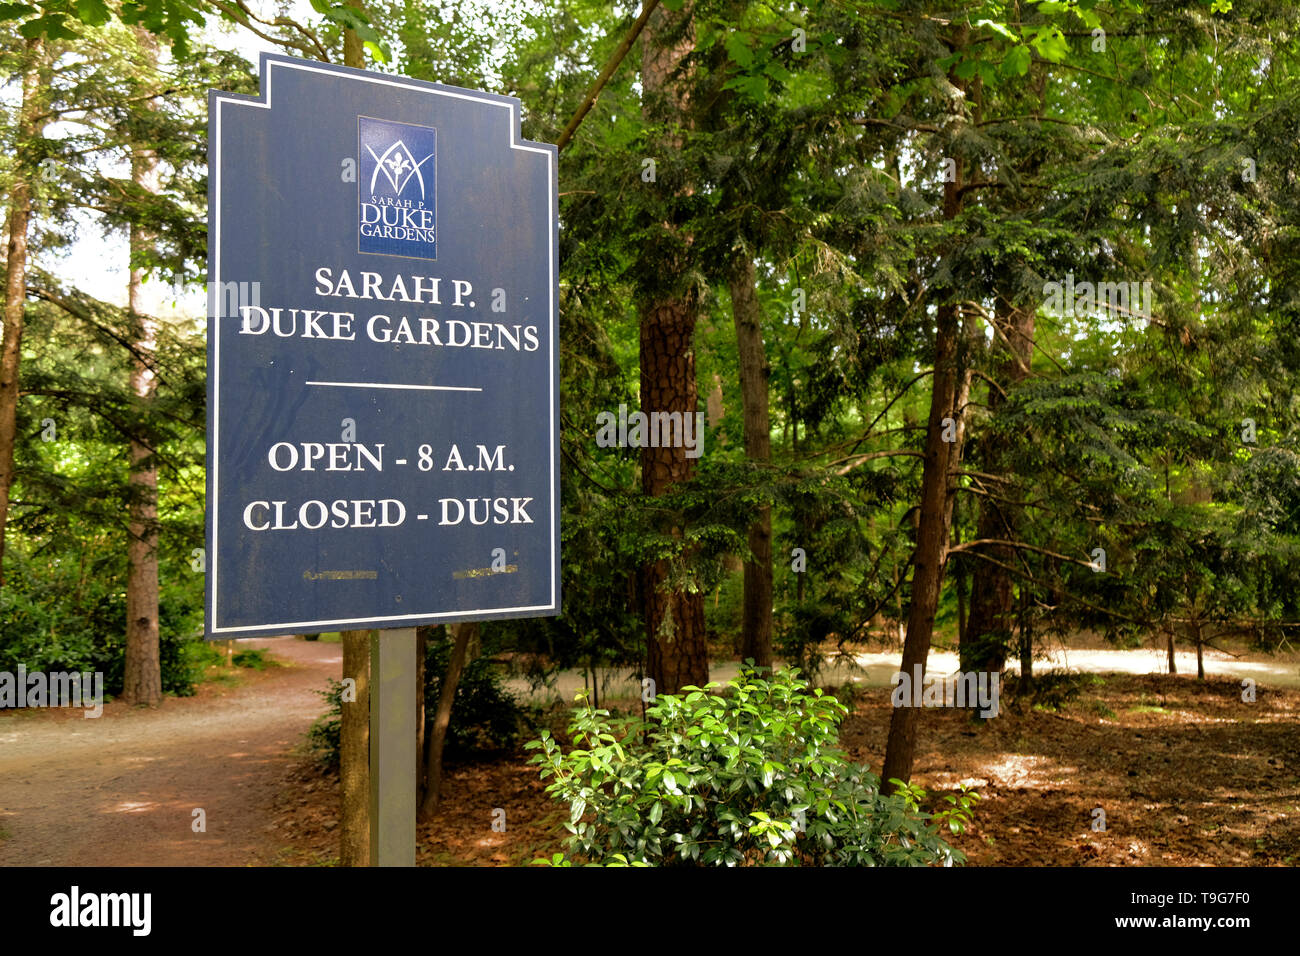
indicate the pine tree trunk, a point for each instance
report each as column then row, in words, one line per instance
column 676, row 651
column 142, row 676
column 436, row 739
column 747, row 315
column 931, row 547
column 354, row 753
column 992, row 605
column 1200, row 652
column 30, row 125
column 935, row 513
column 354, row 729
column 1026, row 636
column 1169, row 649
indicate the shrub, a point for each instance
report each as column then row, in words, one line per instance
column 323, row 736
column 484, row 715
column 751, row 776
column 253, row 659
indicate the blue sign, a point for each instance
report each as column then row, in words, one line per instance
column 383, row 356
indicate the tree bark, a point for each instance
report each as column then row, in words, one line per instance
column 436, row 739
column 1026, row 635
column 747, row 315
column 992, row 604
column 1200, row 651
column 20, row 213
column 676, row 650
column 354, row 730
column 142, row 677
column 354, row 753
column 935, row 514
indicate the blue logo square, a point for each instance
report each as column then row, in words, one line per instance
column 397, row 188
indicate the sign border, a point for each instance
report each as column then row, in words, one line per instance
column 218, row 99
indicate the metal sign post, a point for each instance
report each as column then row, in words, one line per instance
column 383, row 376
column 392, row 752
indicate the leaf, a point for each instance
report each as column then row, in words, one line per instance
column 1001, row 28
column 93, row 12
column 738, row 50
column 754, row 88
column 1016, row 61
column 52, row 25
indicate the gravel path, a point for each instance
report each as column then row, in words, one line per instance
column 120, row 790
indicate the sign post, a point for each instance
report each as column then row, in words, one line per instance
column 383, row 376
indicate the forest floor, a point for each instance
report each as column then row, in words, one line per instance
column 1186, row 773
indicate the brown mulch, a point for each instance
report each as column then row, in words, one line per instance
column 1186, row 773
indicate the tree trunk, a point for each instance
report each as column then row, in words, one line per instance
column 421, row 662
column 354, row 753
column 1200, row 652
column 676, row 651
column 931, row 546
column 436, row 739
column 992, row 605
column 30, row 126
column 935, row 513
column 142, row 676
column 354, row 730
column 1026, row 636
column 756, row 615
column 1169, row 649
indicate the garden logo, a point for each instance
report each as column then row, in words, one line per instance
column 55, row 689
column 397, row 188
column 75, row 908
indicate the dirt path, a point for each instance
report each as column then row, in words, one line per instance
column 876, row 669
column 121, row 790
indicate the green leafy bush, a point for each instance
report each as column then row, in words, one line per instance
column 253, row 659
column 484, row 715
column 323, row 736
column 751, row 776
column 53, row 619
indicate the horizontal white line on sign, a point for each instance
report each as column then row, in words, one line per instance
column 424, row 388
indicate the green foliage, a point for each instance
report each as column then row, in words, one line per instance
column 56, row 615
column 323, row 735
column 749, row 776
column 484, row 715
column 253, row 658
